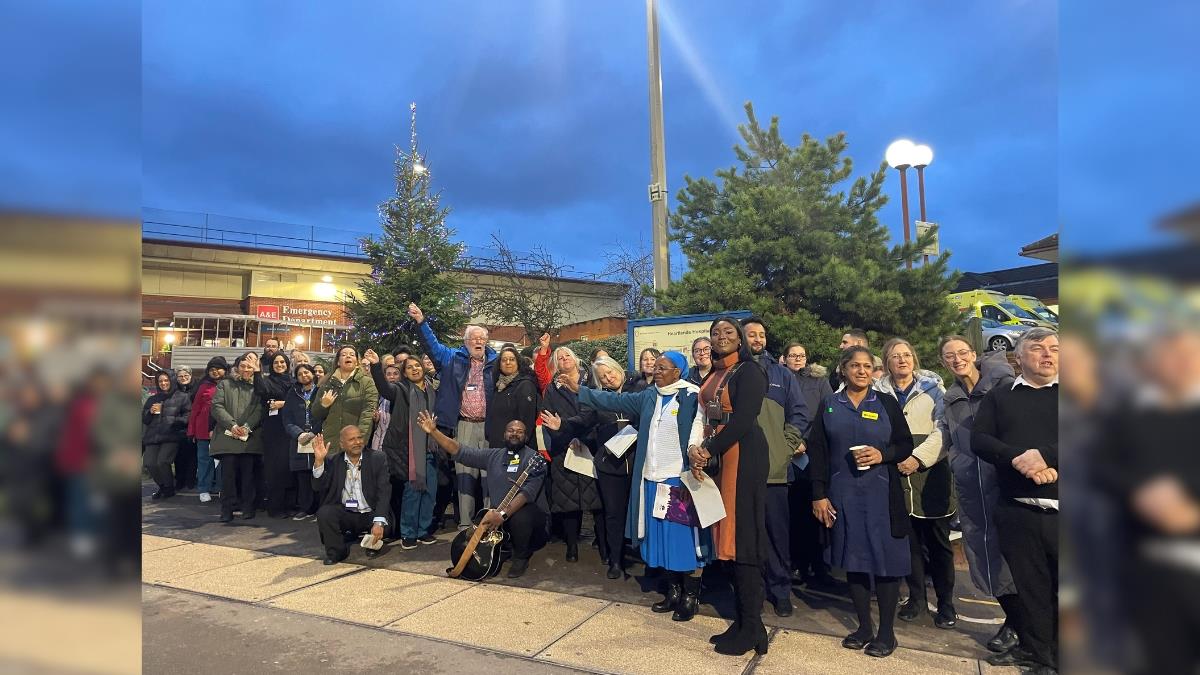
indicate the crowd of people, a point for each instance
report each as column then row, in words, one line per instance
column 861, row 466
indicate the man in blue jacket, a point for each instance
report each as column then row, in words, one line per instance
column 467, row 381
column 784, row 419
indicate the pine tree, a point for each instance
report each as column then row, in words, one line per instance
column 412, row 261
column 781, row 236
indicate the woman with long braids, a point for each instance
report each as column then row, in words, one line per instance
column 731, row 397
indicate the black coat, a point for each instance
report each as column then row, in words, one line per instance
column 518, row 401
column 402, row 395
column 602, row 426
column 569, row 491
column 376, row 487
column 171, row 425
column 746, row 388
column 297, row 419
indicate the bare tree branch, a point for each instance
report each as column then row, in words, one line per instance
column 633, row 266
column 529, row 290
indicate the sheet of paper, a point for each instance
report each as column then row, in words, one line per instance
column 579, row 459
column 304, row 448
column 366, row 542
column 620, row 443
column 706, row 497
column 662, row 501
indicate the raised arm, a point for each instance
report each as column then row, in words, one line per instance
column 630, row 404
column 438, row 352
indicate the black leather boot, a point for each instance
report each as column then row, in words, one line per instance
column 736, row 626
column 750, row 595
column 690, row 602
column 673, row 594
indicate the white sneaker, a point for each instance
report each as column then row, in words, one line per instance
column 205, row 498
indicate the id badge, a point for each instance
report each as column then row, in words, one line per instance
column 471, row 387
column 352, row 503
column 272, row 413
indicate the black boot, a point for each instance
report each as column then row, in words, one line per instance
column 673, row 594
column 690, row 602
column 913, row 607
column 736, row 626
column 752, row 633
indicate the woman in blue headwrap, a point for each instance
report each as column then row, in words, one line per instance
column 669, row 425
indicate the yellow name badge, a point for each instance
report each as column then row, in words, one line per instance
column 868, row 415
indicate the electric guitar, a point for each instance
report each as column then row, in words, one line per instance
column 478, row 552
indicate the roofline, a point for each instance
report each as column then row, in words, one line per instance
column 361, row 260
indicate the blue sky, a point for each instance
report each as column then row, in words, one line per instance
column 534, row 114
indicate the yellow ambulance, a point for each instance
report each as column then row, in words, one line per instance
column 994, row 305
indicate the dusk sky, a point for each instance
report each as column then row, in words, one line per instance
column 534, row 114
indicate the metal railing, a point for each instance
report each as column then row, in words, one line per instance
column 276, row 236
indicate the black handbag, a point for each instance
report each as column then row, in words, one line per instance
column 714, row 416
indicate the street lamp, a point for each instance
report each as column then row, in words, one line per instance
column 899, row 156
column 922, row 156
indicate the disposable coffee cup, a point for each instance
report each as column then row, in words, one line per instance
column 855, row 448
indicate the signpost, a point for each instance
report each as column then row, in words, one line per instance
column 924, row 227
column 666, row 333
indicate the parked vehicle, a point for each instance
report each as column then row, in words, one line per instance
column 1000, row 337
column 1034, row 306
column 994, row 305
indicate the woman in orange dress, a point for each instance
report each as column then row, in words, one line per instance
column 731, row 397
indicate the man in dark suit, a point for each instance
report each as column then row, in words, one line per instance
column 355, row 493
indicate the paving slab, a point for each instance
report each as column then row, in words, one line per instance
column 631, row 639
column 153, row 543
column 374, row 597
column 792, row 653
column 515, row 620
column 176, row 562
column 262, row 578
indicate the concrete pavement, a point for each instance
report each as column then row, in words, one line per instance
column 560, row 614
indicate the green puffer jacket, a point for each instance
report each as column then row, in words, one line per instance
column 233, row 404
column 354, row 406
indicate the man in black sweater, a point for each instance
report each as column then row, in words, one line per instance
column 1016, row 429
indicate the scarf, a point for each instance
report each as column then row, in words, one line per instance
column 505, row 380
column 418, row 440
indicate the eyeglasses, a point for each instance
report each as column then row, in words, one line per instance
column 898, row 356
column 797, row 356
column 661, row 369
column 700, row 352
column 962, row 355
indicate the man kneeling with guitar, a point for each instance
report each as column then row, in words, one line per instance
column 523, row 517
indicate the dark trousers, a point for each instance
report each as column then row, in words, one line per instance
column 277, row 470
column 777, row 567
column 333, row 521
column 1165, row 609
column 306, row 497
column 807, row 552
column 614, row 495
column 185, row 465
column 237, row 482
column 527, row 531
column 1029, row 542
column 930, row 541
column 398, row 487
column 158, row 459
column 260, row 481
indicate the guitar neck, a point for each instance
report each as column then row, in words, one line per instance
column 512, row 493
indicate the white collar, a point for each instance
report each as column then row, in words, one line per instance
column 676, row 386
column 1021, row 380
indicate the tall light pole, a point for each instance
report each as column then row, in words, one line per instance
column 658, row 156
column 899, row 156
column 922, row 156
